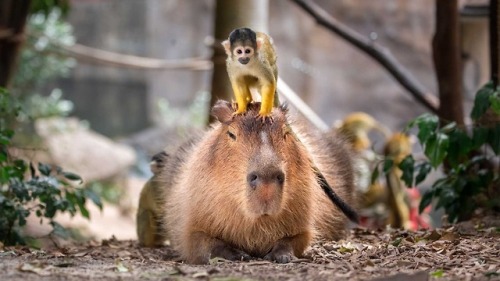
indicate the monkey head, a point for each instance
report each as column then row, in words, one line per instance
column 242, row 45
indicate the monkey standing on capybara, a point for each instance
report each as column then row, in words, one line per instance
column 248, row 188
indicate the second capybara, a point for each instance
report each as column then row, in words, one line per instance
column 249, row 188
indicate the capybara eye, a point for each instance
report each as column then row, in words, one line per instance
column 280, row 178
column 231, row 135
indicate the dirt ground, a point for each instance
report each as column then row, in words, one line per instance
column 467, row 251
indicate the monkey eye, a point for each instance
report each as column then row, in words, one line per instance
column 231, row 135
column 239, row 51
column 248, row 51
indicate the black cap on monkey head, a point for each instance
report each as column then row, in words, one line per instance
column 244, row 35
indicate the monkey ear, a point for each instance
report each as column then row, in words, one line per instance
column 223, row 111
column 260, row 41
column 227, row 47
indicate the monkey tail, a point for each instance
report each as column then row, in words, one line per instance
column 336, row 200
column 341, row 204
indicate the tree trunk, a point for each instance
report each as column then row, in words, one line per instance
column 13, row 14
column 231, row 14
column 494, row 40
column 447, row 61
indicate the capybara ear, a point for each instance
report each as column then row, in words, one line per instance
column 223, row 111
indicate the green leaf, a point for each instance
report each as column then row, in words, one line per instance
column 94, row 197
column 407, row 166
column 72, row 176
column 436, row 148
column 83, row 209
column 45, row 169
column 438, row 273
column 494, row 138
column 460, row 146
column 388, row 164
column 423, row 170
column 450, row 127
column 495, row 103
column 427, row 125
column 479, row 136
column 426, row 200
column 482, row 101
column 59, row 230
column 397, row 241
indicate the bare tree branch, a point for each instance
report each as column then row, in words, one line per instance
column 380, row 54
column 98, row 56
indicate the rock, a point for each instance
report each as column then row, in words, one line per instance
column 78, row 149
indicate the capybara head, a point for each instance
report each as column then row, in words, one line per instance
column 264, row 151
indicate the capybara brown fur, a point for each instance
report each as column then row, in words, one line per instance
column 247, row 188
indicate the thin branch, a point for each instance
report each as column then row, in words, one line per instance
column 98, row 56
column 301, row 106
column 381, row 54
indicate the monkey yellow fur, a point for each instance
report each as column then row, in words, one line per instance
column 251, row 63
column 150, row 231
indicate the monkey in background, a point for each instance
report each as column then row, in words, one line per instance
column 251, row 63
column 148, row 221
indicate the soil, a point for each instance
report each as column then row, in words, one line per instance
column 465, row 251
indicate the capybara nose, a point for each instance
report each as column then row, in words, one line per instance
column 266, row 176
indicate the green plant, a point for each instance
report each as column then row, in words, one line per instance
column 26, row 188
column 40, row 63
column 469, row 158
column 46, row 6
column 195, row 115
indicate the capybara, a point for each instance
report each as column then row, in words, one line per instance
column 249, row 188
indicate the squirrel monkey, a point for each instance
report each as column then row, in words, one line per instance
column 251, row 63
column 149, row 229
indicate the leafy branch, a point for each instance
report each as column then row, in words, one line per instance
column 26, row 188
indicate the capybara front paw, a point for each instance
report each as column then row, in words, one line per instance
column 229, row 253
column 280, row 256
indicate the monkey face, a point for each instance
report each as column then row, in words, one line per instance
column 241, row 45
column 243, row 54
